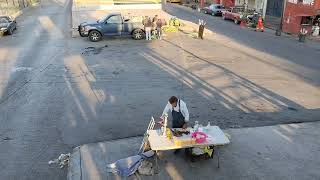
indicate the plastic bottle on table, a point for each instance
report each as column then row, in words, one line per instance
column 196, row 126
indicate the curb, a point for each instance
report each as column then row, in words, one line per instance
column 75, row 163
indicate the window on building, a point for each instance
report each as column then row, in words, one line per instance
column 307, row 20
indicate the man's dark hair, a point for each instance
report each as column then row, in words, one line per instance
column 173, row 99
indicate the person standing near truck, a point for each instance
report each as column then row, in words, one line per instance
column 159, row 25
column 147, row 22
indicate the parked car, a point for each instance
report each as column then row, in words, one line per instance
column 214, row 9
column 112, row 25
column 238, row 13
column 7, row 24
column 174, row 1
column 234, row 13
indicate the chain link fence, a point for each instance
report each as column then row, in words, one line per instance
column 10, row 7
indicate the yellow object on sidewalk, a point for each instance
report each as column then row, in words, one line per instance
column 170, row 29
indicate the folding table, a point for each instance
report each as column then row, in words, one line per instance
column 159, row 143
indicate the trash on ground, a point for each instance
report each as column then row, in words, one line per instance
column 92, row 50
column 292, row 109
column 129, row 165
column 193, row 35
column 146, row 168
column 62, row 160
column 7, row 138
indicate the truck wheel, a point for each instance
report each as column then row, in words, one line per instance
column 81, row 34
column 236, row 21
column 95, row 36
column 138, row 34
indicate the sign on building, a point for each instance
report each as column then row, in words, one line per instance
column 305, row 2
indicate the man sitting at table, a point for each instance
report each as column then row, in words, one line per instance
column 179, row 111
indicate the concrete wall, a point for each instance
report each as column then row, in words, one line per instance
column 250, row 3
column 85, row 5
column 228, row 3
column 11, row 7
column 261, row 6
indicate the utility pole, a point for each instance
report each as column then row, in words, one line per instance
column 279, row 30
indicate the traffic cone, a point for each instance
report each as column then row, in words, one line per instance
column 260, row 25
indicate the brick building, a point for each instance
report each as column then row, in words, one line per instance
column 227, row 3
column 300, row 13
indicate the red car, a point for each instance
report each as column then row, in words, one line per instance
column 234, row 13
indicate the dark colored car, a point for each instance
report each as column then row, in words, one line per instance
column 214, row 9
column 112, row 25
column 7, row 25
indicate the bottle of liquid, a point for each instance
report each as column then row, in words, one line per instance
column 207, row 128
column 196, row 126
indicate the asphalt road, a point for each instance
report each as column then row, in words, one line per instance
column 284, row 47
column 30, row 106
column 56, row 94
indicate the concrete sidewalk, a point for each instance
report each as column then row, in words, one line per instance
column 273, row 152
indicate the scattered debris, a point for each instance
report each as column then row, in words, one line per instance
column 18, row 69
column 146, row 168
column 235, row 126
column 115, row 72
column 7, row 138
column 62, row 160
column 92, row 50
column 193, row 35
column 228, row 136
column 292, row 109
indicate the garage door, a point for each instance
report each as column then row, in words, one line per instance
column 274, row 8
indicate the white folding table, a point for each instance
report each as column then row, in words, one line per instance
column 159, row 143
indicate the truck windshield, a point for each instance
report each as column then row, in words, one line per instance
column 102, row 19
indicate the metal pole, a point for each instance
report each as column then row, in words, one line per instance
column 279, row 30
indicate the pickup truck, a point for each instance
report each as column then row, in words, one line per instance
column 7, row 25
column 234, row 14
column 112, row 25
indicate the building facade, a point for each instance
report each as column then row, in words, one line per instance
column 300, row 13
column 227, row 3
